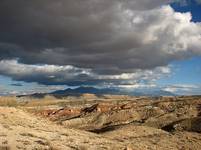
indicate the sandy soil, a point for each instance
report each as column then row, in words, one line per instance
column 20, row 130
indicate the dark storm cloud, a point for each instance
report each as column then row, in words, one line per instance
column 16, row 84
column 80, row 33
column 107, row 37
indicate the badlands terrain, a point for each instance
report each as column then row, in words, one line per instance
column 102, row 122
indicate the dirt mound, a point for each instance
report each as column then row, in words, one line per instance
column 99, row 116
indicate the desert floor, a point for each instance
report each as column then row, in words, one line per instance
column 114, row 123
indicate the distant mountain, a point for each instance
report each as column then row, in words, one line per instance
column 111, row 91
column 83, row 90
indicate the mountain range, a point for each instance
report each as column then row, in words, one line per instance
column 112, row 91
column 97, row 91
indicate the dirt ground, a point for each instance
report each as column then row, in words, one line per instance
column 121, row 128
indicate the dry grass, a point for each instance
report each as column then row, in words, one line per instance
column 41, row 102
column 12, row 101
column 8, row 101
column 4, row 148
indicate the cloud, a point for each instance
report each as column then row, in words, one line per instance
column 93, row 42
column 38, row 88
column 44, row 74
column 184, row 89
column 5, row 91
column 2, row 90
column 198, row 1
column 107, row 36
column 72, row 76
column 30, row 89
column 16, row 84
column 187, row 2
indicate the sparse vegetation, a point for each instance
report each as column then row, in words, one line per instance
column 8, row 101
column 96, row 123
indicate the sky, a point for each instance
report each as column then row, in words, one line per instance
column 131, row 44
